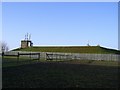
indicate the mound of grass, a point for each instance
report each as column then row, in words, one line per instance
column 71, row 49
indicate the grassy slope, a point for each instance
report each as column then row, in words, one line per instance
column 71, row 49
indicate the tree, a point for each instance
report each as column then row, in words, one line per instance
column 4, row 47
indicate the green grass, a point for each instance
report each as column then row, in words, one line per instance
column 64, row 74
column 94, row 62
column 9, row 61
column 13, row 61
column 71, row 49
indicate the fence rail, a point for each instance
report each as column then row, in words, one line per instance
column 19, row 54
column 54, row 56
column 65, row 56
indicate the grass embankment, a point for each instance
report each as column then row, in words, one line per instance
column 71, row 49
column 49, row 74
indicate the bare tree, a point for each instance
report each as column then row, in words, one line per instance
column 4, row 47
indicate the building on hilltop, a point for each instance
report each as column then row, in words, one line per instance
column 27, row 42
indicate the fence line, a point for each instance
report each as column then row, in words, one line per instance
column 23, row 54
column 65, row 56
column 56, row 56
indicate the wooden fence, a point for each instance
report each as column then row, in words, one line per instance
column 84, row 56
column 64, row 56
column 51, row 56
column 25, row 54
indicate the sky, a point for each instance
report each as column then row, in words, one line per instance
column 61, row 23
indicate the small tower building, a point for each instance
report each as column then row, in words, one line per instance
column 27, row 42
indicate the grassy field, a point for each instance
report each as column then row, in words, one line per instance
column 61, row 74
column 71, row 49
column 13, row 61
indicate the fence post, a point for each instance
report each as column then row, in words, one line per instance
column 38, row 56
column 2, row 55
column 45, row 56
column 18, row 56
column 30, row 55
column 56, row 57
